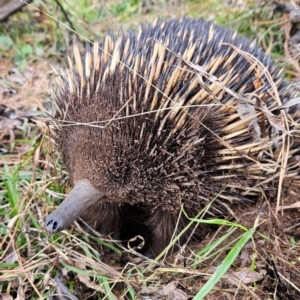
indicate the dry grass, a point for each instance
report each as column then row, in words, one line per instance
column 35, row 265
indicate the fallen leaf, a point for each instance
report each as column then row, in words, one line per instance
column 247, row 110
column 246, row 254
column 11, row 257
column 275, row 121
column 245, row 276
column 170, row 291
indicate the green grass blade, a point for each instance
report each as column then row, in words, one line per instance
column 225, row 265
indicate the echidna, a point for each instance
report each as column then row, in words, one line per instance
column 180, row 111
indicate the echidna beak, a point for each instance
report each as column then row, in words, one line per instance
column 82, row 196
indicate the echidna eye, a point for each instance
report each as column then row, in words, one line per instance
column 115, row 182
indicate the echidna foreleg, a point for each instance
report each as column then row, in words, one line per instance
column 162, row 225
column 80, row 198
column 104, row 217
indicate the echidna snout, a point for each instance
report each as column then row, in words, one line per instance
column 170, row 114
column 82, row 196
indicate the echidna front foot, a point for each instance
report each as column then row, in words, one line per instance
column 162, row 224
column 104, row 217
